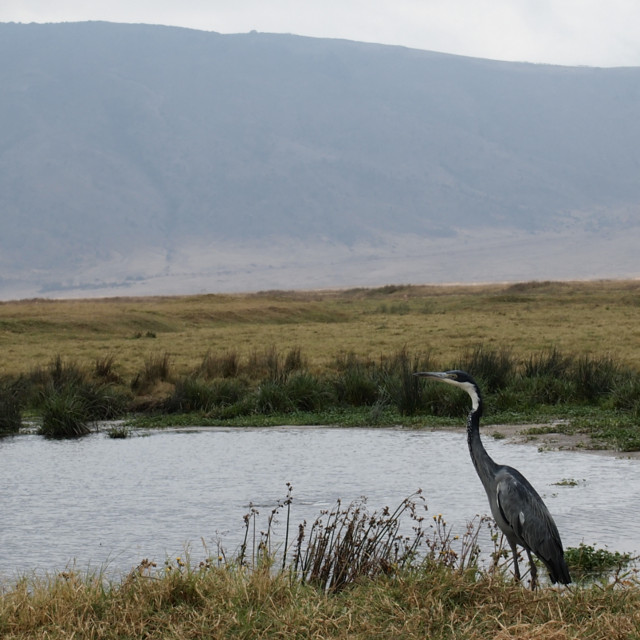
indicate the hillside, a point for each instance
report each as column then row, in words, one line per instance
column 144, row 159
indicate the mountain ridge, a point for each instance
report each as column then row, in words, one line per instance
column 147, row 158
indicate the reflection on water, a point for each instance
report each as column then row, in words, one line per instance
column 99, row 501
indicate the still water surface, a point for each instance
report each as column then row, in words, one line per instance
column 104, row 503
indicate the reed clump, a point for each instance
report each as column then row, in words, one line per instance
column 594, row 393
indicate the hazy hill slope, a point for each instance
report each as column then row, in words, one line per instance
column 131, row 152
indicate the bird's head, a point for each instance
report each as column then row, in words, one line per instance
column 457, row 378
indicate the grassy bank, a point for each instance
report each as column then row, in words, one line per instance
column 541, row 351
column 435, row 603
column 353, row 575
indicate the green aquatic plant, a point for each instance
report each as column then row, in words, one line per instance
column 589, row 562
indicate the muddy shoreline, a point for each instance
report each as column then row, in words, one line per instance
column 520, row 434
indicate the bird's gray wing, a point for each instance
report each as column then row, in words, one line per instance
column 527, row 515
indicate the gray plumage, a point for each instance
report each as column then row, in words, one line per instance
column 515, row 505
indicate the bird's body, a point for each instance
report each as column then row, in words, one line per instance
column 518, row 510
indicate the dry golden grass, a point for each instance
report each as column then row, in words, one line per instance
column 434, row 603
column 590, row 317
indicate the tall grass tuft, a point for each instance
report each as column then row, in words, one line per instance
column 104, row 369
column 550, row 362
column 595, row 376
column 543, row 389
column 103, row 401
column 299, row 392
column 626, row 394
column 307, row 393
column 157, row 368
column 224, row 365
column 272, row 397
column 64, row 413
column 272, row 365
column 400, row 385
column 10, row 407
column 357, row 382
column 194, row 394
column 62, row 373
column 494, row 368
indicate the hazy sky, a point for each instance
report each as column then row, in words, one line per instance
column 569, row 32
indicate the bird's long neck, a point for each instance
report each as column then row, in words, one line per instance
column 482, row 461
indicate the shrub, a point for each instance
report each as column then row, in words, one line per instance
column 349, row 543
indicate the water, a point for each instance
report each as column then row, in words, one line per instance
column 100, row 503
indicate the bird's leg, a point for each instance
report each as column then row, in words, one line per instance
column 516, row 568
column 534, row 571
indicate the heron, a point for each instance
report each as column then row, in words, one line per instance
column 516, row 506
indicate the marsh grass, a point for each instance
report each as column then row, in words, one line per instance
column 195, row 394
column 64, row 414
column 494, row 368
column 69, row 400
column 11, row 393
column 590, row 390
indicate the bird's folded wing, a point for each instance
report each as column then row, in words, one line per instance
column 525, row 512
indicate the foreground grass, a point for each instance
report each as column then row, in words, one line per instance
column 430, row 601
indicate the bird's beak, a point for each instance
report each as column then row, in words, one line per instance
column 439, row 375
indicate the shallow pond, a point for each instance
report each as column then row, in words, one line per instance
column 104, row 503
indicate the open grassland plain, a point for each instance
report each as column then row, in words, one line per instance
column 574, row 317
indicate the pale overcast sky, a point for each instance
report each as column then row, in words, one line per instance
column 569, row 32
